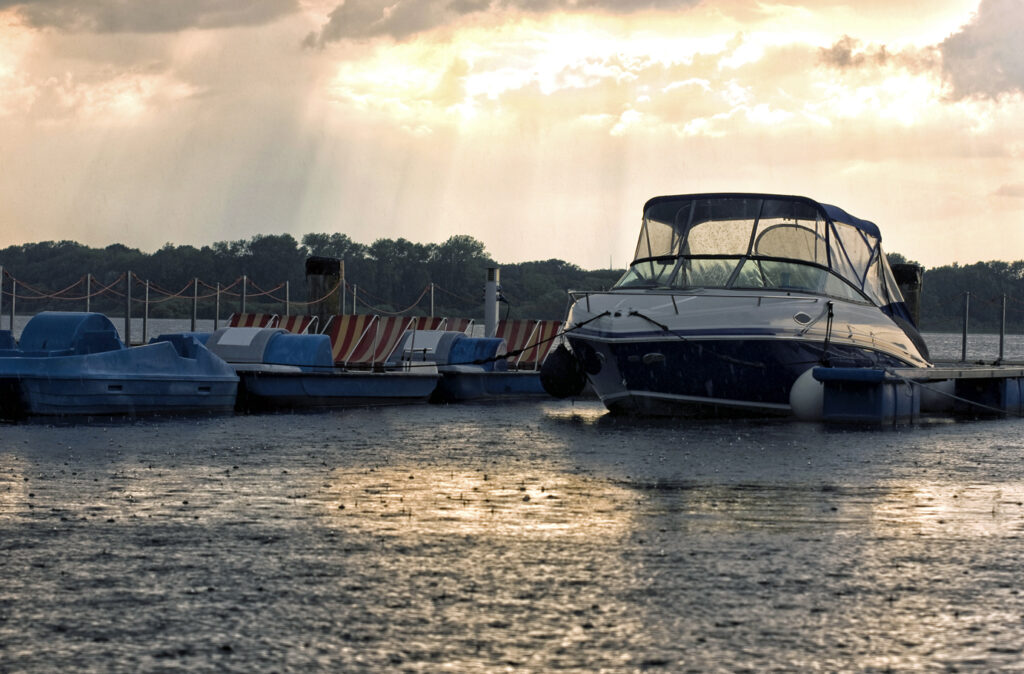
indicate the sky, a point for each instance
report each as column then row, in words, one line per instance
column 539, row 127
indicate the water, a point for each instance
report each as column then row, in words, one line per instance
column 533, row 537
column 947, row 346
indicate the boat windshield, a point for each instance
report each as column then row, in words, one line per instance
column 760, row 242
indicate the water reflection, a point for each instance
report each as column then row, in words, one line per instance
column 445, row 500
column 538, row 537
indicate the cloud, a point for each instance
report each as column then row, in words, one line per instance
column 984, row 59
column 399, row 19
column 147, row 16
column 849, row 53
column 1015, row 190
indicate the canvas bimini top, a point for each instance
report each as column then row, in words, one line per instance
column 761, row 241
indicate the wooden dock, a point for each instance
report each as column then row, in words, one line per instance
column 881, row 396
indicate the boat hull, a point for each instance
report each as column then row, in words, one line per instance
column 113, row 396
column 480, row 385
column 319, row 390
column 702, row 377
column 145, row 380
column 714, row 353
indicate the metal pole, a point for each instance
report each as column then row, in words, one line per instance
column 1002, row 330
column 491, row 302
column 195, row 302
column 88, row 291
column 216, row 309
column 145, row 316
column 355, row 289
column 2, row 295
column 286, row 298
column 244, row 283
column 967, row 312
column 431, row 299
column 128, row 309
column 14, row 298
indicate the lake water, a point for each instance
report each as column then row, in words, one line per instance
column 532, row 537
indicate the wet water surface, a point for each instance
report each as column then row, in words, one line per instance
column 541, row 536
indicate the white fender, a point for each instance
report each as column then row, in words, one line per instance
column 807, row 397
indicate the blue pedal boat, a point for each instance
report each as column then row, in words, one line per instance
column 472, row 368
column 71, row 363
column 281, row 370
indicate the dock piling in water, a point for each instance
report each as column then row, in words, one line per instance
column 491, row 302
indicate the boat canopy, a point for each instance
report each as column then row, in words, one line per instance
column 760, row 241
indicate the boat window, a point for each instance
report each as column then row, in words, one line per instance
column 783, row 275
column 791, row 240
column 705, row 272
column 656, row 239
column 647, row 274
column 795, row 243
column 721, row 237
column 852, row 252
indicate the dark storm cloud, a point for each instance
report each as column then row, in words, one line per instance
column 402, row 18
column 985, row 58
column 147, row 16
column 850, row 53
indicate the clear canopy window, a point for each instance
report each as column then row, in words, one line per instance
column 759, row 241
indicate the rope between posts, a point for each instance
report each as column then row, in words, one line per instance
column 42, row 294
column 402, row 311
column 263, row 293
column 319, row 299
column 468, row 300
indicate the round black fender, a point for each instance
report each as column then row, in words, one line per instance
column 562, row 375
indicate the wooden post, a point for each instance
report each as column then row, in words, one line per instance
column 967, row 312
column 195, row 302
column 491, row 302
column 1002, row 331
column 128, row 309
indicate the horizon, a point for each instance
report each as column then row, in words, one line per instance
column 540, row 129
column 487, row 252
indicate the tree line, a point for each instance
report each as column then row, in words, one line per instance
column 391, row 275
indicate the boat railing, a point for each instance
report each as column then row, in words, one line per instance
column 585, row 295
column 1001, row 302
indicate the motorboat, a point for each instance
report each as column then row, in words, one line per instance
column 74, row 363
column 730, row 299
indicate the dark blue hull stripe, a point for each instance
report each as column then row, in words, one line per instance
column 732, row 372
